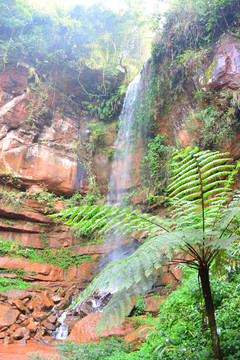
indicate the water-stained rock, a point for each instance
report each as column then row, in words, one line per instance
column 94, row 304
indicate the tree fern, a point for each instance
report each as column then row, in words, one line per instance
column 203, row 212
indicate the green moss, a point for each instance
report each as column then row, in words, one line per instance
column 18, row 283
column 63, row 258
column 46, row 198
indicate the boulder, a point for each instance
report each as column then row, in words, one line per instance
column 41, row 302
column 8, row 315
column 152, row 304
column 49, row 326
column 94, row 304
column 21, row 333
column 138, row 334
column 3, row 296
column 18, row 304
column 18, row 293
column 47, row 300
column 12, row 329
column 40, row 316
column 225, row 65
column 83, row 330
column 32, row 326
column 7, row 340
column 52, row 319
column 87, row 307
column 56, row 299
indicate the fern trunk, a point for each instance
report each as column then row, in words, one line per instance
column 207, row 294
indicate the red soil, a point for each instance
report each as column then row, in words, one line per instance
column 21, row 352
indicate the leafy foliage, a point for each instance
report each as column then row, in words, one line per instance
column 46, row 198
column 92, row 351
column 155, row 164
column 215, row 118
column 182, row 334
column 48, row 38
column 139, row 307
column 12, row 198
column 199, row 187
column 97, row 137
column 193, row 24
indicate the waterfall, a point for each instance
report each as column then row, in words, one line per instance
column 62, row 331
column 120, row 178
column 121, row 181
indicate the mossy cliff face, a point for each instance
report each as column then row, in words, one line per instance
column 203, row 109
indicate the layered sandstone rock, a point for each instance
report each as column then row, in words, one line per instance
column 34, row 271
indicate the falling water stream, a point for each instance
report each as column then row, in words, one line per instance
column 62, row 331
column 120, row 178
column 123, row 161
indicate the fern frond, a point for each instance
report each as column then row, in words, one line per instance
column 216, row 164
column 211, row 174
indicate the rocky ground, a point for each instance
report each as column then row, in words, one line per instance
column 30, row 318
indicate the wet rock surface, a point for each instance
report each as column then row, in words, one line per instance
column 32, row 314
column 83, row 331
column 41, row 311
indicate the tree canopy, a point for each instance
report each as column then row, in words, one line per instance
column 96, row 37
